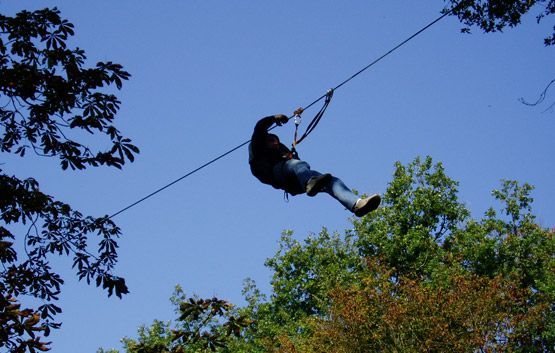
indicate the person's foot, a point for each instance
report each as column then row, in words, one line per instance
column 316, row 184
column 366, row 205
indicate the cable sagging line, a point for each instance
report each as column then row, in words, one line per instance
column 446, row 13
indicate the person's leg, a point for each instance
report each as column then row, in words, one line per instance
column 359, row 206
column 296, row 177
column 339, row 191
column 300, row 169
column 335, row 187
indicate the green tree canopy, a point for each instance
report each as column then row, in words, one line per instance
column 418, row 274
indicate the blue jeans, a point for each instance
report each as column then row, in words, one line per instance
column 298, row 171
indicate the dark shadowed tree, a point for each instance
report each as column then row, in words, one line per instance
column 47, row 97
column 495, row 15
column 203, row 325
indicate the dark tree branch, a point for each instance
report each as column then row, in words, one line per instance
column 541, row 97
column 46, row 91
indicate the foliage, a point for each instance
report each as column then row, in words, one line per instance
column 156, row 338
column 16, row 322
column 47, row 94
column 494, row 15
column 509, row 243
column 437, row 278
column 420, row 209
column 207, row 323
column 203, row 325
column 303, row 272
column 417, row 275
column 467, row 313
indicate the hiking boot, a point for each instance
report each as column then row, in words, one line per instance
column 366, row 205
column 316, row 184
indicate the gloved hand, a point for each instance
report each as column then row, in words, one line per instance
column 281, row 119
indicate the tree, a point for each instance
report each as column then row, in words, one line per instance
column 420, row 209
column 203, row 325
column 417, row 275
column 485, row 283
column 304, row 273
column 494, row 15
column 47, row 96
column 465, row 313
column 509, row 243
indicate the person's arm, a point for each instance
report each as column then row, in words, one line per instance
column 261, row 128
column 264, row 124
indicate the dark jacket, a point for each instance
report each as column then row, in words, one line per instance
column 263, row 160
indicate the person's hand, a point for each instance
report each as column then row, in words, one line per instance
column 281, row 119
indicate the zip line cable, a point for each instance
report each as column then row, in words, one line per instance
column 381, row 57
column 179, row 179
column 308, row 106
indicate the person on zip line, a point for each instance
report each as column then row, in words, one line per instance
column 274, row 164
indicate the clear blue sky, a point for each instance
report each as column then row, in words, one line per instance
column 205, row 71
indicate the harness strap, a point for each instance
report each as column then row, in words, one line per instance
column 313, row 123
column 285, row 196
column 298, row 119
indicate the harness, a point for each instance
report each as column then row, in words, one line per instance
column 313, row 123
column 311, row 126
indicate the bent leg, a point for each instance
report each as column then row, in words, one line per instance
column 339, row 191
column 300, row 170
column 335, row 188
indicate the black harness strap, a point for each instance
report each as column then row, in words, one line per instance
column 313, row 123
